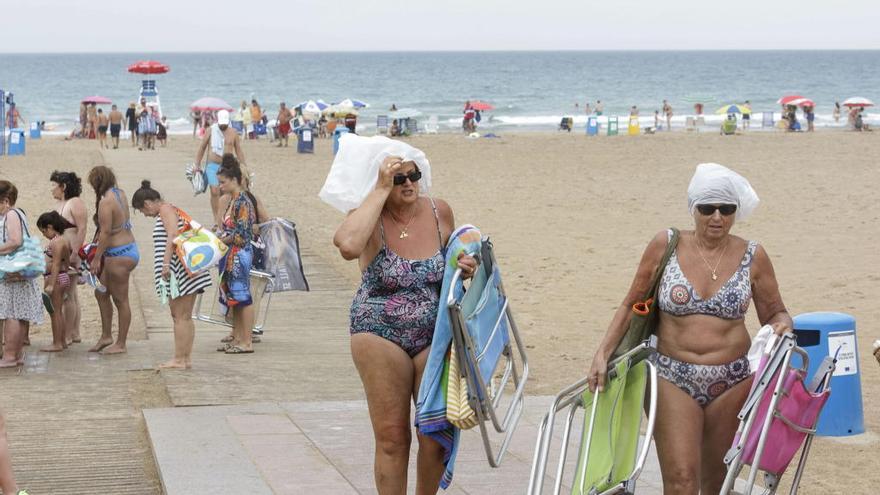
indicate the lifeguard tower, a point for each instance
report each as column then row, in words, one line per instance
column 149, row 90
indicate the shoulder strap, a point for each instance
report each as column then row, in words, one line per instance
column 437, row 218
column 658, row 273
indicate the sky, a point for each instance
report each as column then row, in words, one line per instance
column 418, row 25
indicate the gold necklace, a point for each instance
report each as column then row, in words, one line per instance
column 700, row 250
column 403, row 231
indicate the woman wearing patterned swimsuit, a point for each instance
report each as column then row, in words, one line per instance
column 116, row 256
column 66, row 189
column 703, row 296
column 398, row 239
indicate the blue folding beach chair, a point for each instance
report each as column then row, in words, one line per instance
column 493, row 364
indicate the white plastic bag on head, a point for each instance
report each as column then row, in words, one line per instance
column 716, row 184
column 355, row 169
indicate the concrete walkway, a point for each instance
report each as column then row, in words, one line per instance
column 289, row 418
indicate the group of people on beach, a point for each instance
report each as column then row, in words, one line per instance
column 142, row 120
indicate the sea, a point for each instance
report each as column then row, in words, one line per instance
column 531, row 91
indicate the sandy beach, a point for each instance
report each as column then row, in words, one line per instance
column 570, row 216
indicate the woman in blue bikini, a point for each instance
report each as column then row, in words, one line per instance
column 398, row 238
column 703, row 296
column 116, row 256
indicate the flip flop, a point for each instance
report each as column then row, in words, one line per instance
column 226, row 339
column 238, row 350
column 256, row 339
column 225, row 347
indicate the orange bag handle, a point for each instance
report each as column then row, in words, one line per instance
column 643, row 308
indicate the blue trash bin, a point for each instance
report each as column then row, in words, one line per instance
column 592, row 126
column 16, row 142
column 337, row 133
column 35, row 130
column 828, row 334
column 305, row 140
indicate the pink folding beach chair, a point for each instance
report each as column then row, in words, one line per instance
column 779, row 415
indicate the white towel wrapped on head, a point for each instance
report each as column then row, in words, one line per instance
column 355, row 169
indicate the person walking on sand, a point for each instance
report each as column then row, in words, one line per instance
column 247, row 124
column 103, row 122
column 809, row 116
column 116, row 256
column 667, row 112
column 256, row 115
column 168, row 270
column 115, row 125
column 218, row 141
column 747, row 115
column 284, row 118
column 131, row 120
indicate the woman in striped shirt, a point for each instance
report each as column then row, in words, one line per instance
column 166, row 265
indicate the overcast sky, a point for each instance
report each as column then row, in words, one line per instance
column 400, row 25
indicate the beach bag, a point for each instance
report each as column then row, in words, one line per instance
column 281, row 256
column 643, row 321
column 27, row 261
column 198, row 249
column 198, row 179
column 458, row 410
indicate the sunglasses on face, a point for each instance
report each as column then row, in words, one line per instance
column 709, row 210
column 414, row 176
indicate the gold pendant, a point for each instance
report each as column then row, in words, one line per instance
column 403, row 234
column 714, row 277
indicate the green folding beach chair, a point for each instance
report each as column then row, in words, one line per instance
column 612, row 126
column 609, row 460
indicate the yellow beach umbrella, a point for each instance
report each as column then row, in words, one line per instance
column 732, row 109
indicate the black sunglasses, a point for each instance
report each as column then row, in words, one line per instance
column 709, row 210
column 413, row 177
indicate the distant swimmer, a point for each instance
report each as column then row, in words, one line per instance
column 102, row 122
column 116, row 118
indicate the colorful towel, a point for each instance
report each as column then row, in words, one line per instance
column 431, row 406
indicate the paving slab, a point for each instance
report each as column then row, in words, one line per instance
column 323, row 447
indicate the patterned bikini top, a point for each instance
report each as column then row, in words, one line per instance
column 677, row 296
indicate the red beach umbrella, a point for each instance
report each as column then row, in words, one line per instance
column 802, row 102
column 481, row 106
column 98, row 100
column 210, row 104
column 148, row 67
column 787, row 100
column 858, row 101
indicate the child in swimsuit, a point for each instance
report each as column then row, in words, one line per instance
column 56, row 280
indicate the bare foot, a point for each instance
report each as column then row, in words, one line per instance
column 114, row 349
column 173, row 364
column 100, row 345
column 9, row 363
column 53, row 348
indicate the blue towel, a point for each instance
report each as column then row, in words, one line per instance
column 431, row 405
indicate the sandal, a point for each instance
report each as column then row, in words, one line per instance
column 256, row 339
column 225, row 347
column 238, row 350
column 226, row 339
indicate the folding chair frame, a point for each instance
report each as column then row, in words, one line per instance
column 571, row 397
column 486, row 398
column 258, row 322
column 779, row 363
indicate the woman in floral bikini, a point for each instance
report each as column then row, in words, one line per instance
column 398, row 238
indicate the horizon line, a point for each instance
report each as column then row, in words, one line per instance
column 549, row 50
